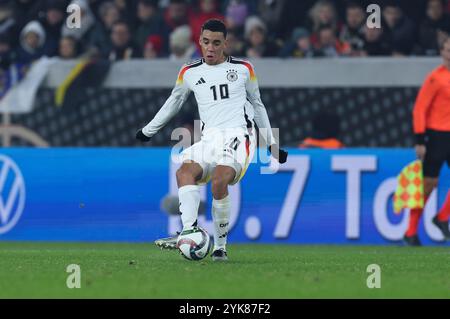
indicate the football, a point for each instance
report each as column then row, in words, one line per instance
column 194, row 244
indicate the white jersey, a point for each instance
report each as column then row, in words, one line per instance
column 227, row 95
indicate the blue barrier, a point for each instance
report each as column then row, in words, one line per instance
column 113, row 194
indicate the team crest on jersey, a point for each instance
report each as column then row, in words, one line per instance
column 232, row 75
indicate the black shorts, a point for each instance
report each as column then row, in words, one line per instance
column 437, row 152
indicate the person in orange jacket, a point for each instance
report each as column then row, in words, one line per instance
column 431, row 122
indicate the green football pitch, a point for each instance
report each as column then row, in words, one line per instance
column 39, row 270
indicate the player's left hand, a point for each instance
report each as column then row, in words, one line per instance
column 142, row 137
column 279, row 154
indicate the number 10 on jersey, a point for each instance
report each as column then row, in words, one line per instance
column 223, row 89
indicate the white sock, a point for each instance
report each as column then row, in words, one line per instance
column 189, row 197
column 221, row 215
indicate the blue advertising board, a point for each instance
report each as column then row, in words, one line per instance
column 114, row 194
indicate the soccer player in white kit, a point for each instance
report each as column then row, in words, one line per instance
column 228, row 98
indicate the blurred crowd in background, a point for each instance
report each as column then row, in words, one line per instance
column 119, row 29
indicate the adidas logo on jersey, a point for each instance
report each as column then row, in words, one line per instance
column 201, row 81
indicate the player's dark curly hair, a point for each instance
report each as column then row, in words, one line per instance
column 215, row 25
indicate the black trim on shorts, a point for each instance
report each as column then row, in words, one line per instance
column 437, row 145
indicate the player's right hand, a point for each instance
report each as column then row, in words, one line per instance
column 141, row 136
column 420, row 151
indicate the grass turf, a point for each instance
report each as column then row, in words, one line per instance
column 38, row 270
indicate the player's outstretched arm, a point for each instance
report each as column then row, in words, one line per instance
column 170, row 108
column 167, row 111
column 262, row 118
